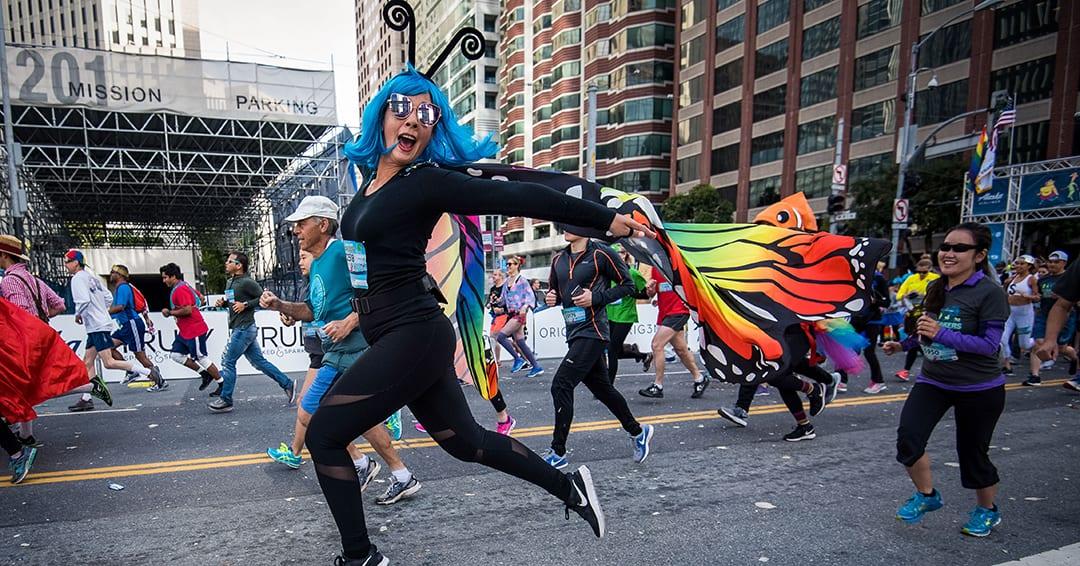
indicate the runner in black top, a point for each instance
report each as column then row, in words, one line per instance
column 581, row 276
column 387, row 227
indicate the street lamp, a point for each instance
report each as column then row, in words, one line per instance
column 905, row 138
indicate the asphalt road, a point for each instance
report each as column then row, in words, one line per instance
column 199, row 490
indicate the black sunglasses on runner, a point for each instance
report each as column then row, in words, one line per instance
column 427, row 113
column 958, row 248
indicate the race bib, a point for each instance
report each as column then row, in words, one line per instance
column 356, row 257
column 230, row 295
column 573, row 315
column 949, row 319
column 666, row 287
column 312, row 328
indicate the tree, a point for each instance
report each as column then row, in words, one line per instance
column 702, row 205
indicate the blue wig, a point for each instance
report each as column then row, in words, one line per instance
column 451, row 143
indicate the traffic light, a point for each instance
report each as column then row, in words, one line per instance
column 837, row 203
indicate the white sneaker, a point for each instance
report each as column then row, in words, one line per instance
column 875, row 388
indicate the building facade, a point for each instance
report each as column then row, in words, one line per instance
column 380, row 51
column 147, row 27
column 764, row 85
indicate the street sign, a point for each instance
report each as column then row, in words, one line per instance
column 899, row 226
column 839, row 174
column 846, row 215
column 900, row 211
column 498, row 241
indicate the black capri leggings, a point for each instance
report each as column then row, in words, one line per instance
column 8, row 440
column 976, row 413
column 407, row 365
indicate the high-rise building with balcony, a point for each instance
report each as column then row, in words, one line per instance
column 380, row 51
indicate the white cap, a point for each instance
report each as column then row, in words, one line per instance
column 1026, row 259
column 1059, row 256
column 314, row 206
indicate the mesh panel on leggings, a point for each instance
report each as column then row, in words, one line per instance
column 343, row 473
column 331, row 400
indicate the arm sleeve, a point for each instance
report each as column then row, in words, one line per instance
column 1068, row 287
column 53, row 300
column 458, row 193
column 255, row 290
column 553, row 280
column 639, row 285
column 80, row 295
column 616, row 271
column 183, row 298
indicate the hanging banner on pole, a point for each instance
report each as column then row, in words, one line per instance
column 1050, row 190
column 992, row 201
column 997, row 245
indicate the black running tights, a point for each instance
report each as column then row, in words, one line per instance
column 8, row 440
column 584, row 363
column 407, row 365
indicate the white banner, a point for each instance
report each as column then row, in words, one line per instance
column 105, row 80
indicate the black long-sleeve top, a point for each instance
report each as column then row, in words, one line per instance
column 595, row 269
column 395, row 223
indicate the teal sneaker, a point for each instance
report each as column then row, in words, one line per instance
column 100, row 390
column 21, row 466
column 284, row 454
column 393, row 424
column 982, row 521
column 919, row 505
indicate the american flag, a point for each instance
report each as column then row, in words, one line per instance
column 1008, row 115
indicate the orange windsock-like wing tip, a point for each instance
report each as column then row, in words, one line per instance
column 792, row 212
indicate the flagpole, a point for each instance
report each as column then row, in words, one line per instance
column 1012, row 133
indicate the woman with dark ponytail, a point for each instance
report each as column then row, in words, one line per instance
column 960, row 333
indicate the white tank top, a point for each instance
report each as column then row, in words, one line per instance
column 1021, row 287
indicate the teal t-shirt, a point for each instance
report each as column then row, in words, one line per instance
column 329, row 293
column 625, row 310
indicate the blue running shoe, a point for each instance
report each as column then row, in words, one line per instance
column 393, row 424
column 535, row 372
column 21, row 466
column 982, row 521
column 284, row 454
column 919, row 505
column 641, row 443
column 556, row 461
column 518, row 365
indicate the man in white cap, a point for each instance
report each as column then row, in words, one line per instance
column 329, row 307
column 1055, row 266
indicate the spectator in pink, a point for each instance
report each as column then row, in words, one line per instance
column 519, row 299
column 21, row 288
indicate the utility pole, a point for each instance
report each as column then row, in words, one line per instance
column 590, row 167
column 837, row 201
column 18, row 197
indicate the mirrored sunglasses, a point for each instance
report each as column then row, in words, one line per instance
column 426, row 113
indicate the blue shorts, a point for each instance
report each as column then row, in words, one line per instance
column 1038, row 330
column 99, row 341
column 194, row 348
column 320, row 384
column 131, row 334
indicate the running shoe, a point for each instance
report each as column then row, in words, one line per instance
column 641, row 443
column 831, row 388
column 801, row 432
column 219, row 405
column 206, row 379
column 762, row 391
column 918, row 505
column 527, row 366
column 981, row 521
column 735, row 414
column 155, row 375
column 1048, row 364
column 818, row 397
column 1007, row 371
column 284, row 454
column 217, row 392
column 374, row 558
column 584, row 502
column 367, row 474
column 129, row 376
column 81, row 405
column 653, row 391
column 159, row 386
column 504, row 428
column 398, row 491
column 670, row 358
column 393, row 424
column 519, row 364
column 555, row 461
column 290, row 392
column 841, row 387
column 420, row 428
column 700, row 387
column 875, row 388
column 21, row 466
column 1033, row 381
column 647, row 363
column 1073, row 384
column 100, row 390
column 535, row 372
column 31, row 441
column 903, row 375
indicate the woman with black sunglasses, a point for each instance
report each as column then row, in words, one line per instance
column 960, row 332
column 408, row 131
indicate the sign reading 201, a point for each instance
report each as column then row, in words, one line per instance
column 67, row 82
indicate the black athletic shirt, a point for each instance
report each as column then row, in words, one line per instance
column 595, row 269
column 395, row 224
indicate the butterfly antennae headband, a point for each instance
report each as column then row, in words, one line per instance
column 399, row 16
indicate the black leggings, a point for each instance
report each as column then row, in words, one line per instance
column 584, row 363
column 617, row 348
column 8, row 440
column 788, row 385
column 872, row 332
column 909, row 358
column 976, row 414
column 498, row 402
column 407, row 365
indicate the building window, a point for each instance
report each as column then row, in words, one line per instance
column 813, row 4
column 770, row 103
column 771, row 58
column 1029, row 143
column 647, row 145
column 764, row 192
column 515, row 237
column 694, row 12
column 772, row 13
column 568, row 165
column 491, row 49
column 490, row 21
column 941, row 103
column 1020, row 22
column 868, row 167
column 646, row 72
column 946, row 46
column 767, row 148
column 692, row 52
column 690, row 130
column 639, row 37
column 491, row 75
column 725, row 159
column 931, row 6
column 601, row 13
column 728, row 76
column 818, row 87
column 516, row 156
column 815, row 182
column 1030, row 81
column 541, row 232
column 491, row 100
column 877, row 16
column 542, row 143
column 727, row 117
column 690, row 91
column 730, row 33
column 876, row 68
column 539, row 260
column 565, row 134
column 687, row 169
column 822, row 38
column 725, row 4
column 873, row 120
column 817, row 135
column 465, row 105
column 637, row 110
column 648, row 181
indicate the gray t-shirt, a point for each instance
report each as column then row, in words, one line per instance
column 969, row 308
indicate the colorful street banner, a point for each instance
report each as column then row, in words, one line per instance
column 970, row 181
column 992, row 201
column 1050, row 190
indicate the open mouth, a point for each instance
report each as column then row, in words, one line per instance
column 406, row 142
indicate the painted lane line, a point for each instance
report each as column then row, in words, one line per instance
column 93, row 412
